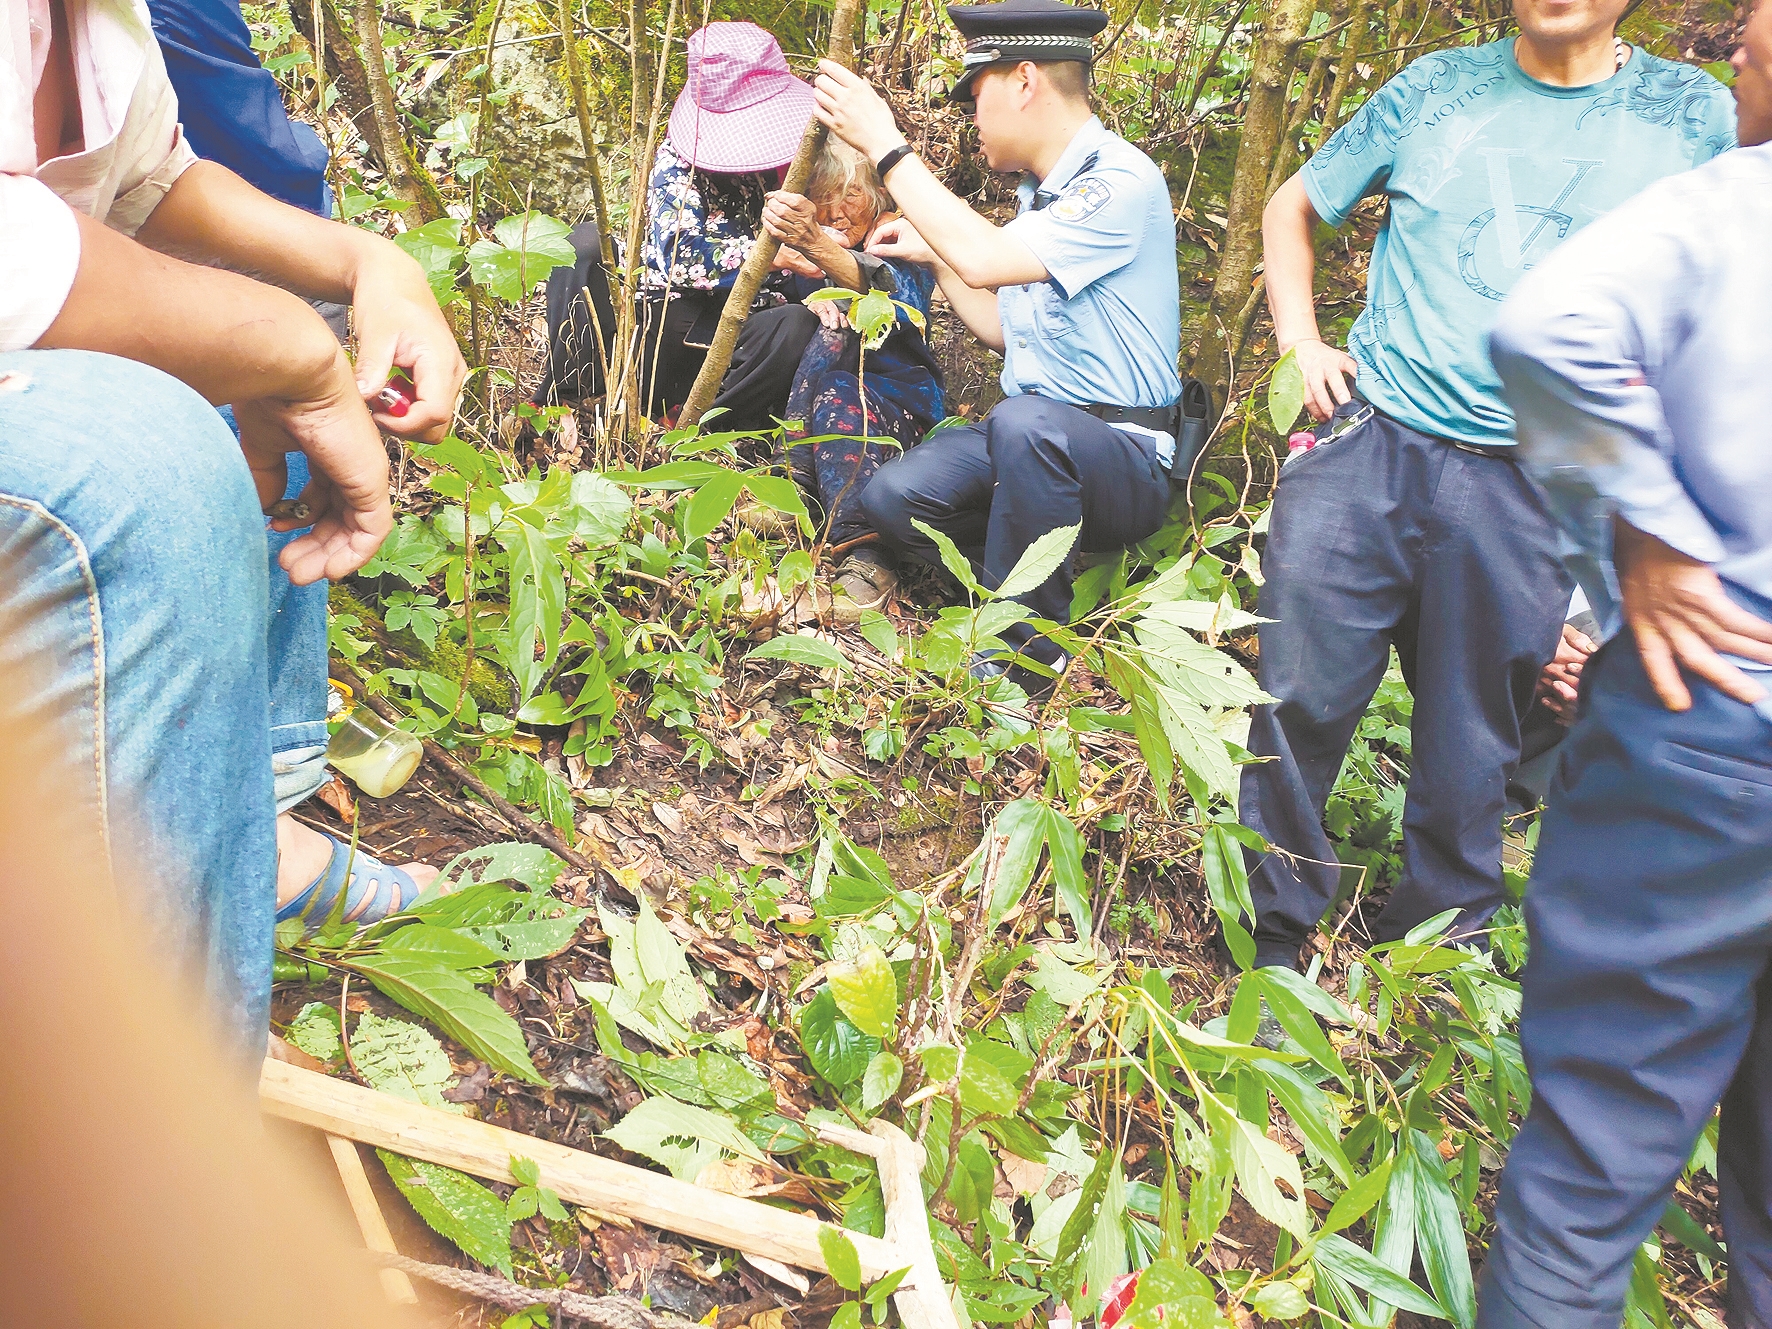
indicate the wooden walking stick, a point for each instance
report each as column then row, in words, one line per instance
column 756, row 266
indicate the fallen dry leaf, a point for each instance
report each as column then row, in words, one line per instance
column 668, row 817
column 784, row 1274
column 336, row 794
column 1024, row 1175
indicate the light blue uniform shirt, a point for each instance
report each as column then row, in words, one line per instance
column 1636, row 359
column 1487, row 171
column 1106, row 326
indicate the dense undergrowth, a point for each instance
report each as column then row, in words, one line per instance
column 986, row 919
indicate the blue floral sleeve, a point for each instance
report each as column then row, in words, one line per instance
column 687, row 246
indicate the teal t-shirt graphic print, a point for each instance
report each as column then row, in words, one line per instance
column 1487, row 170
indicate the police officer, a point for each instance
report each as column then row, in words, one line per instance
column 1079, row 292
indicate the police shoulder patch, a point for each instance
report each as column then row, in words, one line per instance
column 1082, row 200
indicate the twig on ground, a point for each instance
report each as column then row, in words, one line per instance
column 610, row 1312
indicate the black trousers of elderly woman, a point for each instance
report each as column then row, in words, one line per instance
column 675, row 336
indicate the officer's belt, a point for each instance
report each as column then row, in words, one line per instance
column 1159, row 418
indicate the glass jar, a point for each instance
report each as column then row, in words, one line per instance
column 378, row 757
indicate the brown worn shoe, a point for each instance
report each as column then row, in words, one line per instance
column 860, row 584
column 764, row 521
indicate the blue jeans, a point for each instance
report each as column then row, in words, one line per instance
column 1648, row 999
column 137, row 635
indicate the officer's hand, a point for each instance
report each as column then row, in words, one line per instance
column 1323, row 366
column 1676, row 608
column 1559, row 681
column 899, row 239
column 788, row 259
column 791, row 218
column 854, row 112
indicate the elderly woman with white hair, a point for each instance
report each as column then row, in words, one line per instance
column 836, row 439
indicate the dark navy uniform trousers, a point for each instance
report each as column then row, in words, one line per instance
column 1648, row 998
column 1031, row 466
column 1384, row 537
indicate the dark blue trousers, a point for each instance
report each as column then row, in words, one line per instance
column 1390, row 537
column 1647, row 997
column 993, row 488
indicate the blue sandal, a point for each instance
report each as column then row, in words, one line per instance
column 375, row 889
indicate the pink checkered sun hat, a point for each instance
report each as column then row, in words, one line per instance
column 742, row 110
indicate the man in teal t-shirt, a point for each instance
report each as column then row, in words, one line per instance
column 1410, row 523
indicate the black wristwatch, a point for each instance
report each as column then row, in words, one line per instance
column 891, row 159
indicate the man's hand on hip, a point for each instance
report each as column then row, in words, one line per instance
column 1323, row 367
column 1682, row 619
column 853, row 111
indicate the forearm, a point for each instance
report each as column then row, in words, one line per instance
column 213, row 216
column 226, row 336
column 977, row 309
column 982, row 256
column 835, row 262
column 1289, row 262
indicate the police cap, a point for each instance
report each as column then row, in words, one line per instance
column 1017, row 30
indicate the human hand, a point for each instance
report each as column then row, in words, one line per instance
column 1323, row 366
column 347, row 494
column 791, row 219
column 1559, row 681
column 399, row 324
column 854, row 112
column 829, row 314
column 899, row 239
column 789, row 259
column 1676, row 608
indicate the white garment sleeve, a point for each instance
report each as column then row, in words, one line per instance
column 39, row 255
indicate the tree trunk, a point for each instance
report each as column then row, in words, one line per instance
column 1263, row 124
column 575, row 80
column 341, row 64
column 406, row 176
column 1345, row 72
column 762, row 256
column 1287, row 158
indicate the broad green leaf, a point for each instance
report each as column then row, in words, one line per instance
column 1440, row 1235
column 456, row 1206
column 866, row 992
column 801, row 650
column 1069, row 882
column 847, row 1316
column 1393, row 1236
column 838, row 1051
column 1675, row 1221
column 1039, row 561
column 447, row 999
column 315, row 1030
column 1367, row 1272
column 437, row 248
column 1300, row 1024
column 526, row 1170
column 952, row 559
column 840, row 1257
column 1267, row 1175
column 537, row 233
column 441, row 945
column 1280, row 1301
column 731, row 1086
column 1066, row 1271
column 1017, row 837
column 881, row 1080
column 711, row 504
column 1285, row 393
column 878, row 632
column 1311, row 1113
column 1104, row 1255
column 683, row 1138
column 1357, row 1200
column 525, row 1202
column 601, row 509
column 529, row 864
column 661, row 961
column 782, row 494
column 538, row 603
column 403, row 1060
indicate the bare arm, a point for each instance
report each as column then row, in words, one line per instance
column 1289, row 260
column 982, row 255
column 236, row 340
column 211, row 215
column 793, row 220
column 977, row 308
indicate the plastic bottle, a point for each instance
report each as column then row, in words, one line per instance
column 378, row 757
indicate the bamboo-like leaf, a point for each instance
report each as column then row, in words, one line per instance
column 1440, row 1234
column 1366, row 1271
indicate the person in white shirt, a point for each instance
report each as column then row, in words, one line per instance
column 132, row 546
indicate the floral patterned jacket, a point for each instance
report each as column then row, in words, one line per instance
column 700, row 227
